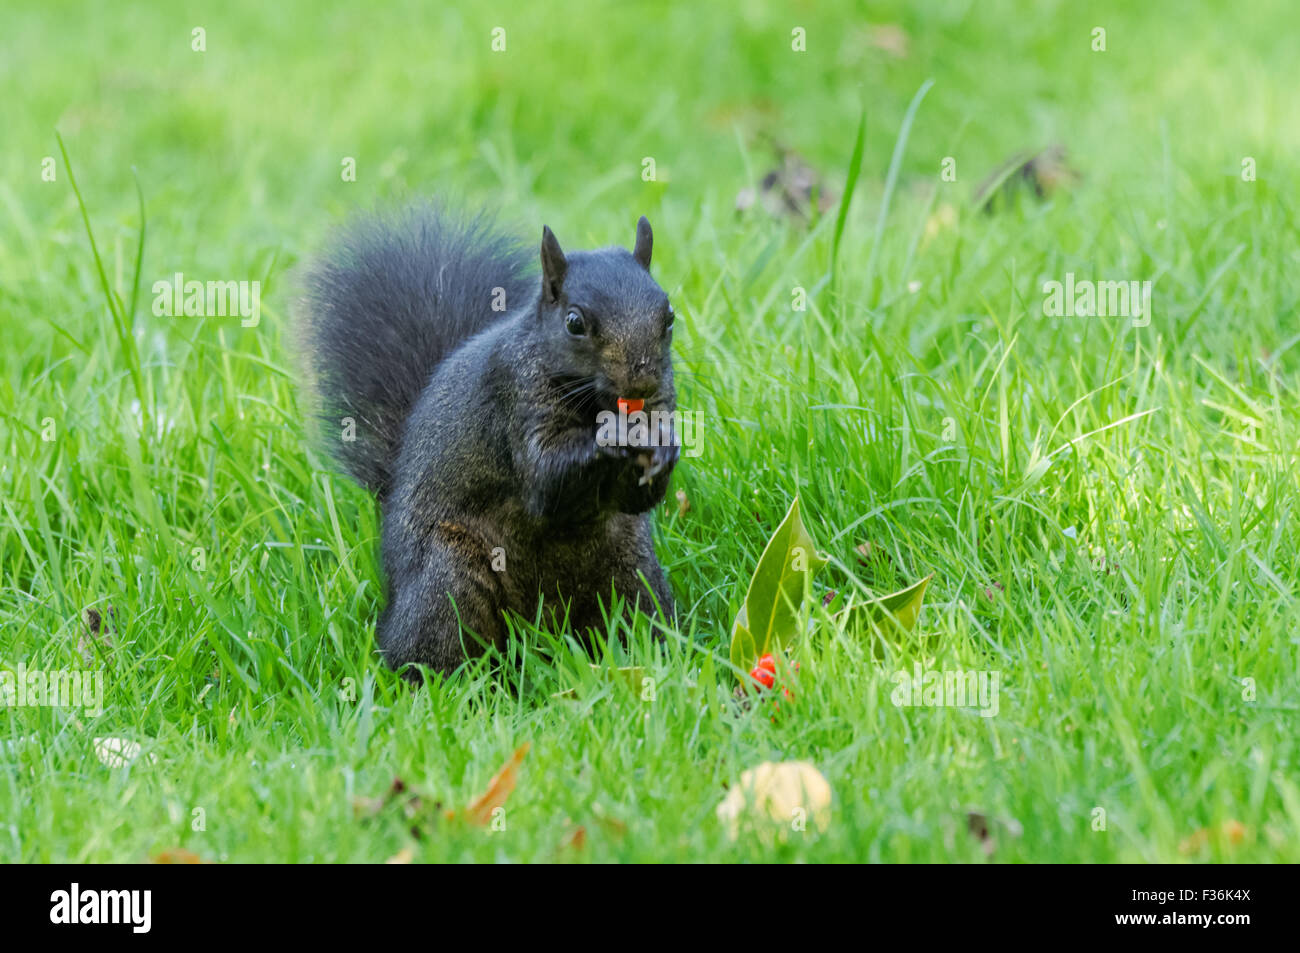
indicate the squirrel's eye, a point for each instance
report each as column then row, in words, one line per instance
column 672, row 316
column 574, row 324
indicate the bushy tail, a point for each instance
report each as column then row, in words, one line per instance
column 391, row 296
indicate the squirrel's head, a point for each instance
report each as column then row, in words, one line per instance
column 602, row 317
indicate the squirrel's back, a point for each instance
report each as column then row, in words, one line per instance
column 391, row 296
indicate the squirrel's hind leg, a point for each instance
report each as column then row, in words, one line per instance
column 633, row 571
column 445, row 611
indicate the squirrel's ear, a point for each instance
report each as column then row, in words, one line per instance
column 554, row 265
column 644, row 242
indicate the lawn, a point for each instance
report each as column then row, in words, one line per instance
column 1107, row 504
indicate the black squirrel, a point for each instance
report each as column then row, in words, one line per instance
column 474, row 390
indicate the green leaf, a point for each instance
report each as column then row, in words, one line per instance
column 895, row 613
column 891, row 180
column 744, row 653
column 904, row 606
column 771, row 615
column 855, row 169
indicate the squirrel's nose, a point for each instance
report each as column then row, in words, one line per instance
column 642, row 380
column 640, row 387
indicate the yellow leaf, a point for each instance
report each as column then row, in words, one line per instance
column 118, row 752
column 777, row 799
column 944, row 219
column 683, row 503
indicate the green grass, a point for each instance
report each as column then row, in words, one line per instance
column 1131, row 490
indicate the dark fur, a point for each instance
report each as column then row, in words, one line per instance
column 387, row 301
column 477, row 428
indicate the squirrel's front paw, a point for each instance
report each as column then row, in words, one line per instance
column 616, row 451
column 658, row 455
column 656, row 460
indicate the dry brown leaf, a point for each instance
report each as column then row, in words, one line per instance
column 1041, row 174
column 1228, row 834
column 366, row 806
column 176, row 855
column 1193, row 842
column 416, row 810
column 97, row 630
column 889, row 37
column 978, row 825
column 498, row 790
column 982, row 828
column 869, row 555
column 611, row 824
column 791, row 188
column 575, row 839
column 1234, row 831
column 683, row 503
column 403, row 856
